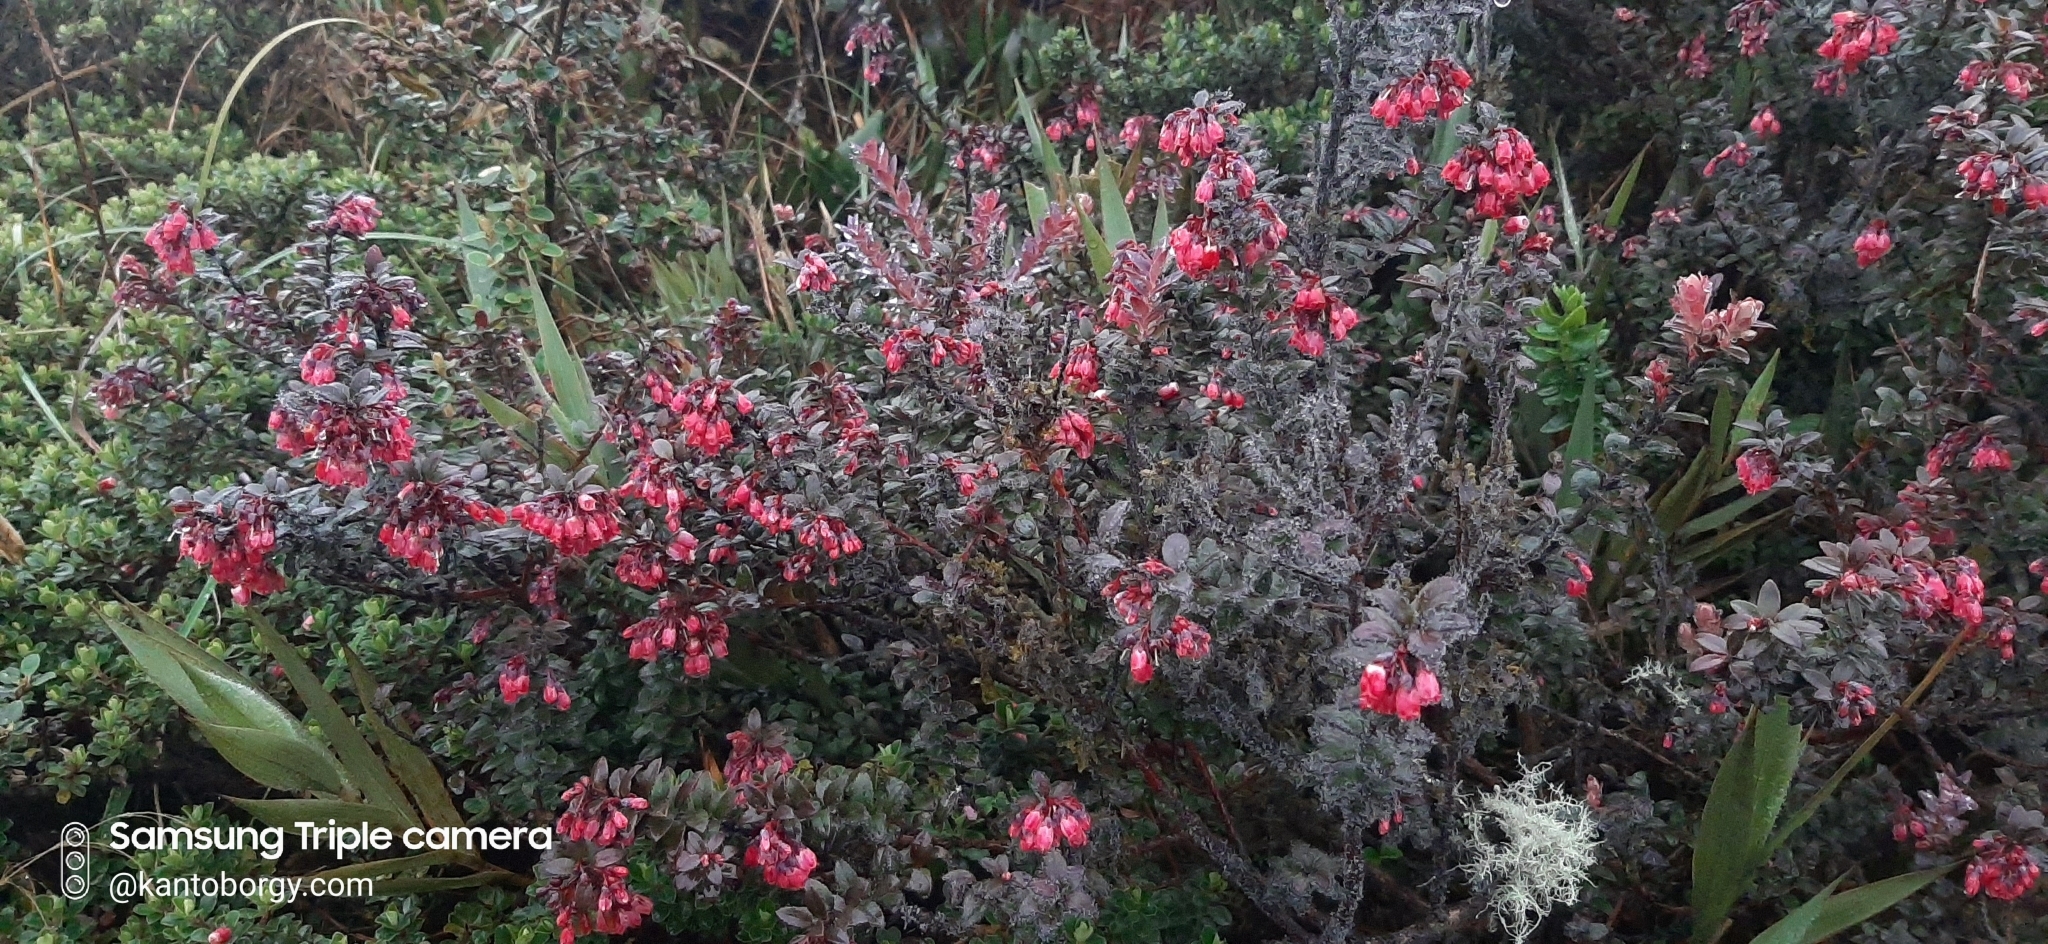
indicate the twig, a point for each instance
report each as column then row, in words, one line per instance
column 35, row 23
column 32, row 94
column 190, row 67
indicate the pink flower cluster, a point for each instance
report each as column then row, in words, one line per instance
column 820, row 534
column 1081, row 371
column 594, row 815
column 1131, row 595
column 176, row 236
column 783, row 864
column 2000, row 177
column 1857, row 37
column 1874, row 242
column 704, row 410
column 814, row 274
column 661, row 481
column 1757, row 467
column 1693, row 58
column 1192, row 133
column 596, row 897
column 1766, row 123
column 1504, row 170
column 231, row 534
column 677, row 623
column 1074, row 431
column 875, row 39
column 2002, row 868
column 757, row 757
column 1398, row 684
column 1737, row 154
column 576, row 521
column 1989, row 455
column 514, row 681
column 1854, row 702
column 1752, row 19
column 350, row 428
column 422, row 509
column 1435, row 92
column 354, row 215
column 640, row 565
column 2016, row 78
column 1318, row 317
column 1049, row 817
column 1705, row 329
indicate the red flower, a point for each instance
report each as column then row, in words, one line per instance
column 2002, row 868
column 1872, row 245
column 1435, row 92
column 232, row 534
column 2016, row 78
column 1737, row 154
column 1192, row 133
column 1081, row 371
column 317, row 367
column 1133, row 133
column 355, row 214
column 1990, row 456
column 595, row 897
column 1316, row 313
column 175, row 237
column 1854, row 701
column 423, row 508
column 350, row 428
column 873, row 38
column 1578, row 586
column 1226, row 169
column 1966, row 602
column 594, row 815
column 783, row 864
column 576, row 523
column 1051, row 816
column 758, row 755
column 1766, row 124
column 1857, row 37
column 1659, row 376
column 1398, row 684
column 1752, row 19
column 1693, row 56
column 513, row 680
column 679, row 624
column 1504, row 169
column 1074, row 431
column 659, row 480
column 555, row 695
column 1758, row 469
column 815, row 275
column 1194, row 249
column 640, row 565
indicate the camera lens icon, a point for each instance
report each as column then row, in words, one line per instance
column 75, row 860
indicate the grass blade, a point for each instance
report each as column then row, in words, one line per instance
column 220, row 121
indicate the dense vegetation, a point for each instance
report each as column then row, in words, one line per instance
column 1421, row 471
